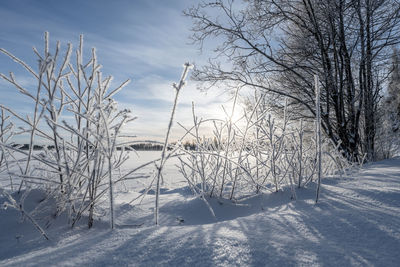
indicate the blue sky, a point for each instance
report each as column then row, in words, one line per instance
column 144, row 40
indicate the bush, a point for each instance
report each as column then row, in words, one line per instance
column 74, row 112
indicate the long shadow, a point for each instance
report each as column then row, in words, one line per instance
column 349, row 226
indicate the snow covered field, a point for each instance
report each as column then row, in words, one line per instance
column 356, row 222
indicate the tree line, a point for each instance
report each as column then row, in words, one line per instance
column 277, row 46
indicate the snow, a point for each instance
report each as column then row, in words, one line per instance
column 356, row 222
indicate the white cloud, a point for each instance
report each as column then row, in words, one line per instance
column 153, row 118
column 148, row 49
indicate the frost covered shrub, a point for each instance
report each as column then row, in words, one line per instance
column 75, row 116
column 178, row 87
column 255, row 154
column 7, row 161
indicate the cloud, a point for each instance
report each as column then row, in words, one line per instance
column 146, row 41
column 152, row 104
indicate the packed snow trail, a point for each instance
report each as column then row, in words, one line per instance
column 355, row 223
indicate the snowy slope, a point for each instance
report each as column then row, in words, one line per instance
column 356, row 222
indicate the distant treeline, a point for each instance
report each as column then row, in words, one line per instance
column 35, row 147
column 143, row 147
column 139, row 146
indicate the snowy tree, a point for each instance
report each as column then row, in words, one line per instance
column 393, row 99
column 389, row 113
column 278, row 46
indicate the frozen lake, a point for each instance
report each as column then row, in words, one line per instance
column 171, row 175
column 170, row 171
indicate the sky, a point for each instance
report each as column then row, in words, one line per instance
column 146, row 41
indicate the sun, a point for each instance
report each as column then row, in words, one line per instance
column 230, row 112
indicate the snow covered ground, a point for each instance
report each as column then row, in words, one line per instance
column 356, row 222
